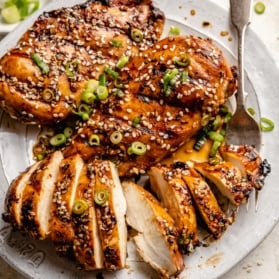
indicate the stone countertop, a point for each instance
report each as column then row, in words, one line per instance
column 263, row 262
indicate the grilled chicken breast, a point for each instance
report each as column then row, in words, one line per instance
column 248, row 161
column 110, row 207
column 159, row 107
column 228, row 179
column 61, row 225
column 176, row 197
column 205, row 200
column 42, row 78
column 86, row 244
column 156, row 237
column 13, row 201
column 37, row 197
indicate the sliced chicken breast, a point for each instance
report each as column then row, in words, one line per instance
column 37, row 197
column 87, row 243
column 228, row 179
column 61, row 224
column 248, row 160
column 156, row 240
column 176, row 197
column 111, row 208
column 13, row 200
column 206, row 202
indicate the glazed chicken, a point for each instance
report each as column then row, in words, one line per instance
column 167, row 90
column 42, row 78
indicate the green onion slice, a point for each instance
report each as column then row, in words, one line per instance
column 39, row 62
column 102, row 92
column 116, row 43
column 215, row 136
column 183, row 60
column 111, row 72
column 11, row 14
column 84, row 111
column 116, row 137
column 58, row 140
column 259, row 8
column 102, row 80
column 48, row 95
column 136, row 121
column 68, row 131
column 216, row 144
column 174, row 31
column 101, row 197
column 122, row 62
column 79, row 207
column 72, row 68
column 94, row 140
column 266, row 124
column 251, row 111
column 137, row 148
column 137, row 35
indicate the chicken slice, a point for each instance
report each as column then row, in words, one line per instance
column 110, row 205
column 156, row 240
column 87, row 243
column 248, row 160
column 37, row 197
column 13, row 200
column 61, row 225
column 176, row 197
column 228, row 179
column 205, row 201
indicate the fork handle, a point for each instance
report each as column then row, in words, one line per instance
column 241, row 11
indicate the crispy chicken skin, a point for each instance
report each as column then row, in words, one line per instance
column 83, row 36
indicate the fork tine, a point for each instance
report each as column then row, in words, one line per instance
column 256, row 200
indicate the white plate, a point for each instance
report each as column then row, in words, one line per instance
column 37, row 259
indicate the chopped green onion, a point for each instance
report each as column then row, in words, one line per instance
column 88, row 97
column 116, row 137
column 94, row 140
column 136, row 35
column 184, row 77
column 216, row 144
column 84, row 111
column 266, row 124
column 136, row 121
column 122, row 62
column 116, row 43
column 101, row 197
column 118, row 92
column 111, row 72
column 39, row 62
column 48, row 95
column 68, row 131
column 118, row 84
column 72, row 68
column 169, row 79
column 79, row 207
column 137, row 148
column 259, row 8
column 183, row 60
column 58, row 140
column 174, row 31
column 200, row 142
column 102, row 80
column 251, row 111
column 214, row 160
column 102, row 92
column 217, row 122
column 40, row 156
column 215, row 136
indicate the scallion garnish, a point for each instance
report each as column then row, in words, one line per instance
column 79, row 207
column 136, row 35
column 111, row 72
column 137, row 148
column 101, row 197
column 266, row 124
column 72, row 68
column 58, row 140
column 94, row 140
column 39, row 62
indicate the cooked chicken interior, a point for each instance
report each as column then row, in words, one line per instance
column 156, row 237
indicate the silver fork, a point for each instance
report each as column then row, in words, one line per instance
column 243, row 128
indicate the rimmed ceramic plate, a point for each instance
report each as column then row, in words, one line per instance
column 36, row 259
